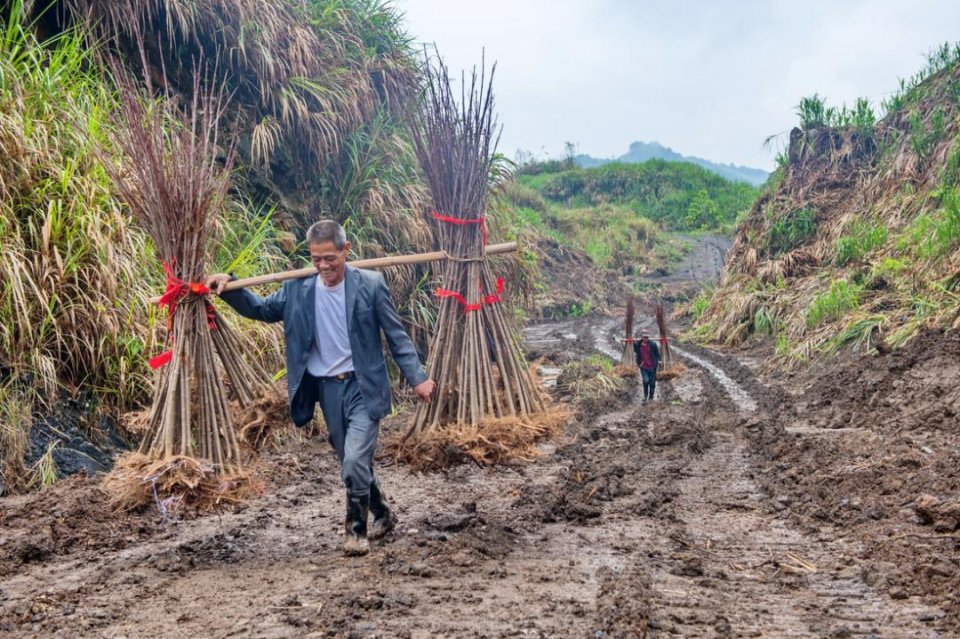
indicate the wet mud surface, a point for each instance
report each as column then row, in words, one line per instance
column 797, row 514
column 735, row 505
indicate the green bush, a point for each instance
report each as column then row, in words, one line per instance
column 862, row 238
column 790, row 231
column 703, row 213
column 842, row 297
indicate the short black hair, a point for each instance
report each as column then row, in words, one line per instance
column 327, row 231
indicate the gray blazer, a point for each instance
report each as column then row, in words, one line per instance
column 369, row 309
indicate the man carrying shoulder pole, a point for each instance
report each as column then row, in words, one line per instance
column 332, row 323
column 648, row 359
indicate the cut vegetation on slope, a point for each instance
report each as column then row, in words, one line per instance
column 855, row 241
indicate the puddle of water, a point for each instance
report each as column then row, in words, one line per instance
column 548, row 375
column 740, row 398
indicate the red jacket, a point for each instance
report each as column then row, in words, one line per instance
column 650, row 359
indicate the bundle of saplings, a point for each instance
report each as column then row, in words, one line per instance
column 169, row 176
column 487, row 406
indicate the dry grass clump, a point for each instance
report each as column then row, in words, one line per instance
column 301, row 73
column 176, row 485
column 674, row 371
column 796, row 263
column 319, row 94
column 626, row 371
column 591, row 379
column 502, row 440
column 259, row 421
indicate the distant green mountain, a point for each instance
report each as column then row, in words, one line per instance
column 643, row 151
column 679, row 196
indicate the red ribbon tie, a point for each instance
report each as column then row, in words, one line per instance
column 492, row 298
column 176, row 290
column 482, row 221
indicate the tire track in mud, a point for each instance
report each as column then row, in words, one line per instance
column 719, row 561
column 734, row 568
column 602, row 336
column 641, row 522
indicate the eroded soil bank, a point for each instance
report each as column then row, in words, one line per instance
column 693, row 516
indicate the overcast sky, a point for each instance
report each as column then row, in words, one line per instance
column 711, row 78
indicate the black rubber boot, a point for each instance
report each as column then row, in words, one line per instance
column 383, row 520
column 355, row 541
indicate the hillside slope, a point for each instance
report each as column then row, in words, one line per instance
column 599, row 232
column 854, row 243
column 677, row 195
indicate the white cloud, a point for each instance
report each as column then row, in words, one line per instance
column 708, row 78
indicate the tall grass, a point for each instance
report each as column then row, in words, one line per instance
column 814, row 113
column 317, row 88
column 933, row 235
column 910, row 90
column 303, row 74
column 246, row 244
column 373, row 187
column 72, row 285
column 74, row 289
column 861, row 238
column 16, row 407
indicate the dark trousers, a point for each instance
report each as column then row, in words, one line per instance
column 649, row 377
column 352, row 433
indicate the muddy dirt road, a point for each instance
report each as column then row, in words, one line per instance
column 730, row 507
column 640, row 521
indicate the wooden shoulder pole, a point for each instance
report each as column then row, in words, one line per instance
column 376, row 262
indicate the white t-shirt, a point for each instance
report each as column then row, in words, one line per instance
column 331, row 354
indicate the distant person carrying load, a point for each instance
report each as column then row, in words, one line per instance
column 332, row 323
column 648, row 359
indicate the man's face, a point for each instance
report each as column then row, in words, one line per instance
column 329, row 261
